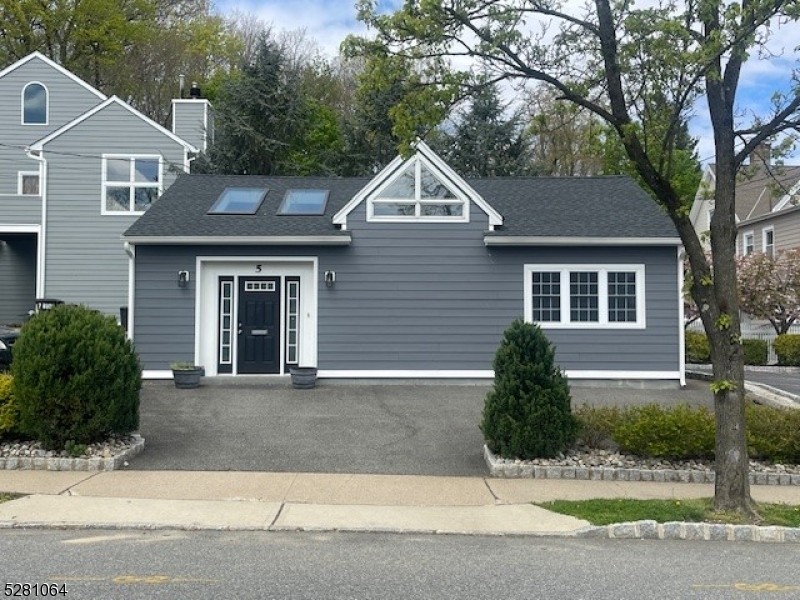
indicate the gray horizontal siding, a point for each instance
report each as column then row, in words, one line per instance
column 20, row 210
column 86, row 261
column 17, row 276
column 421, row 297
column 67, row 101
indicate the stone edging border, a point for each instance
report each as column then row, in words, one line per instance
column 676, row 530
column 57, row 463
column 522, row 470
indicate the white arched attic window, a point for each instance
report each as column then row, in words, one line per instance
column 34, row 104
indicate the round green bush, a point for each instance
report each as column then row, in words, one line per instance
column 698, row 349
column 756, row 352
column 680, row 432
column 76, row 377
column 9, row 414
column 527, row 414
column 787, row 348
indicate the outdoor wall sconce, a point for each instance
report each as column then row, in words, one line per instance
column 330, row 278
column 183, row 278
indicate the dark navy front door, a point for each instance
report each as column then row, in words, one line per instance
column 258, row 343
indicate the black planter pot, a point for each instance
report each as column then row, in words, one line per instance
column 303, row 378
column 186, row 379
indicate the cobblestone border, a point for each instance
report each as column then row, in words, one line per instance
column 676, row 530
column 57, row 463
column 522, row 470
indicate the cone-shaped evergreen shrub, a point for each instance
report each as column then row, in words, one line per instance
column 527, row 414
column 76, row 377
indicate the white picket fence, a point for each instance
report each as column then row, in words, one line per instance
column 753, row 332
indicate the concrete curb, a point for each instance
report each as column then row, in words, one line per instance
column 499, row 467
column 57, row 463
column 678, row 530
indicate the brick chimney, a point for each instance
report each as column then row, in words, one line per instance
column 762, row 153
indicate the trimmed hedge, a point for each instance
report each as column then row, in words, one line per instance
column 76, row 377
column 787, row 348
column 9, row 414
column 683, row 432
column 527, row 413
column 697, row 348
column 755, row 352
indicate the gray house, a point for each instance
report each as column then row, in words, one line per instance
column 76, row 170
column 415, row 273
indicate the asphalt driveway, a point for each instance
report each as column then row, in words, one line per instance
column 396, row 428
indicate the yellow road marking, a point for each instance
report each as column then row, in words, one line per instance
column 751, row 587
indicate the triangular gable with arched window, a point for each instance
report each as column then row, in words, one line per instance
column 421, row 188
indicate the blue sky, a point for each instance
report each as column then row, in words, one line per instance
column 328, row 22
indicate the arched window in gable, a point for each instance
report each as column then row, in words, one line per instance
column 34, row 104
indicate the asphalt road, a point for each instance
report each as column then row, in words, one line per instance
column 365, row 427
column 295, row 566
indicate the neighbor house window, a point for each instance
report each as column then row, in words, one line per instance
column 418, row 193
column 28, row 183
column 748, row 243
column 130, row 183
column 768, row 241
column 34, row 104
column 585, row 296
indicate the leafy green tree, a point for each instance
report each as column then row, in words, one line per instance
column 266, row 125
column 485, row 143
column 642, row 71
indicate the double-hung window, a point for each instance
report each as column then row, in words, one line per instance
column 131, row 183
column 748, row 243
column 585, row 296
column 768, row 241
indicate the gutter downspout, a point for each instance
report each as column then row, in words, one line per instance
column 41, row 252
column 130, row 250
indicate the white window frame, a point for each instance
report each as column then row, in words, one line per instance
column 23, row 174
column 46, row 105
column 764, row 245
column 418, row 201
column 131, row 183
column 602, row 286
column 752, row 237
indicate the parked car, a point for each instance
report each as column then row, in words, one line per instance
column 7, row 339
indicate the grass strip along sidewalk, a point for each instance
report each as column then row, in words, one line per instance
column 606, row 512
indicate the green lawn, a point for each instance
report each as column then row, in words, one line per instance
column 605, row 512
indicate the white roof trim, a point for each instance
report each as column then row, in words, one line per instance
column 787, row 198
column 453, row 178
column 242, row 240
column 39, row 146
column 54, row 65
column 532, row 240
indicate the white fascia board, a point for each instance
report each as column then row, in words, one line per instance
column 444, row 171
column 54, row 65
column 270, row 240
column 340, row 218
column 38, row 146
column 495, row 218
column 523, row 240
column 787, row 198
column 488, row 374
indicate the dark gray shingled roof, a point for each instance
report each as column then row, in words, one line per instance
column 182, row 210
column 604, row 207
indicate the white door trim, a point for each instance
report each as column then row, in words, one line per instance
column 208, row 269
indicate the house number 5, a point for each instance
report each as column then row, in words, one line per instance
column 258, row 268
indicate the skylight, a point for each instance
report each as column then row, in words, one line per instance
column 238, row 201
column 304, row 202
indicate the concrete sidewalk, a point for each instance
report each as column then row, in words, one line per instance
column 316, row 502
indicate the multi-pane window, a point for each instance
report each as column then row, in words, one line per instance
column 130, row 183
column 748, row 243
column 584, row 302
column 546, row 296
column 585, row 295
column 34, row 104
column 621, row 297
column 769, row 241
column 417, row 193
